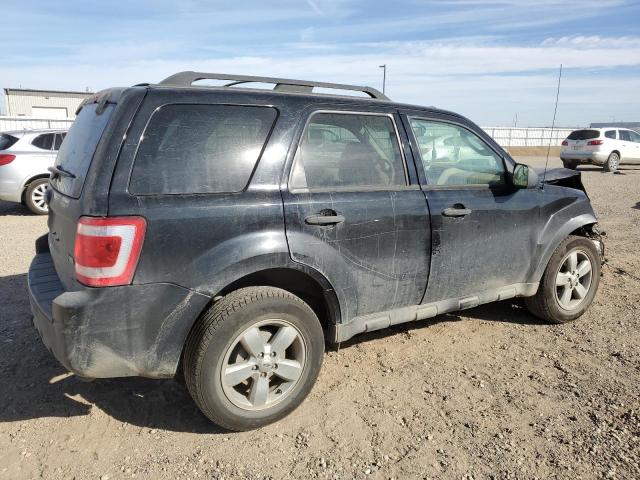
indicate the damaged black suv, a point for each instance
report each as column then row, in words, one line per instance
column 224, row 233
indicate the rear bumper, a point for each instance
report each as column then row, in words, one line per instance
column 598, row 158
column 135, row 330
column 10, row 191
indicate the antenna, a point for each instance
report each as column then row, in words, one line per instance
column 553, row 124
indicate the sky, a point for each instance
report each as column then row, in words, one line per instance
column 488, row 60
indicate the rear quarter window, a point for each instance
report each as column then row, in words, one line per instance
column 610, row 134
column 44, row 141
column 7, row 141
column 584, row 135
column 188, row 149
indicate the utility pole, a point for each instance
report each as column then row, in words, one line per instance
column 384, row 76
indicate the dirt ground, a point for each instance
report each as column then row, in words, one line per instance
column 487, row 393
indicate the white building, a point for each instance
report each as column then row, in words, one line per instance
column 49, row 104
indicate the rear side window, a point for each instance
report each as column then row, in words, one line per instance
column 610, row 134
column 76, row 152
column 7, row 141
column 584, row 135
column 200, row 149
column 44, row 141
column 343, row 150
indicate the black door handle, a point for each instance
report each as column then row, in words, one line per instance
column 456, row 212
column 325, row 218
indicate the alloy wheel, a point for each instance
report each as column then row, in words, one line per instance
column 573, row 279
column 263, row 365
column 38, row 197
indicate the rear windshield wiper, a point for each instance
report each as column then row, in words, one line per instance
column 59, row 171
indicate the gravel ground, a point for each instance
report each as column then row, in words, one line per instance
column 487, row 393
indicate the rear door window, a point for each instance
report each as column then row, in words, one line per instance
column 200, row 149
column 345, row 150
column 44, row 141
column 584, row 135
column 7, row 141
column 76, row 152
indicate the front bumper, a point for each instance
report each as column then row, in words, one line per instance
column 135, row 330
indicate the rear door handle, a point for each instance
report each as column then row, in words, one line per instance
column 324, row 219
column 456, row 212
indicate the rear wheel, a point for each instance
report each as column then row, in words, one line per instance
column 569, row 164
column 36, row 196
column 569, row 282
column 253, row 357
column 611, row 165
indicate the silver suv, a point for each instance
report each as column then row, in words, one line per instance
column 608, row 147
column 25, row 157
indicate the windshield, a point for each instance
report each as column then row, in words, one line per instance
column 78, row 147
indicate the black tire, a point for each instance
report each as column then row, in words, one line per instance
column 569, row 164
column 545, row 303
column 33, row 198
column 219, row 329
column 612, row 163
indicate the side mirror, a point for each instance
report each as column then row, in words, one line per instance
column 524, row 177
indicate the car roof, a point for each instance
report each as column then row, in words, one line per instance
column 602, row 129
column 283, row 87
column 313, row 97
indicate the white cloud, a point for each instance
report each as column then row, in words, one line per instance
column 481, row 78
column 592, row 41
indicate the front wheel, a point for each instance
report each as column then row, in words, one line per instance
column 569, row 282
column 36, row 196
column 612, row 163
column 253, row 357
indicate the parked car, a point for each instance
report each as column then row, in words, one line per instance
column 25, row 157
column 608, row 147
column 226, row 233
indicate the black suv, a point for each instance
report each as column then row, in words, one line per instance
column 224, row 233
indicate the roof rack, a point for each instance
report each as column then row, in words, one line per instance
column 183, row 79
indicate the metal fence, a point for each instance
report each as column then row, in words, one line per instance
column 31, row 123
column 505, row 136
column 528, row 136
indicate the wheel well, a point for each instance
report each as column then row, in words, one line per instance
column 616, row 151
column 28, row 182
column 297, row 282
column 590, row 230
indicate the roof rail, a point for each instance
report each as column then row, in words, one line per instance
column 183, row 79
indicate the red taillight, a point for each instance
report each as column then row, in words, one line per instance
column 596, row 142
column 6, row 159
column 565, row 143
column 107, row 250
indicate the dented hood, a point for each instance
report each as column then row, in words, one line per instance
column 563, row 177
